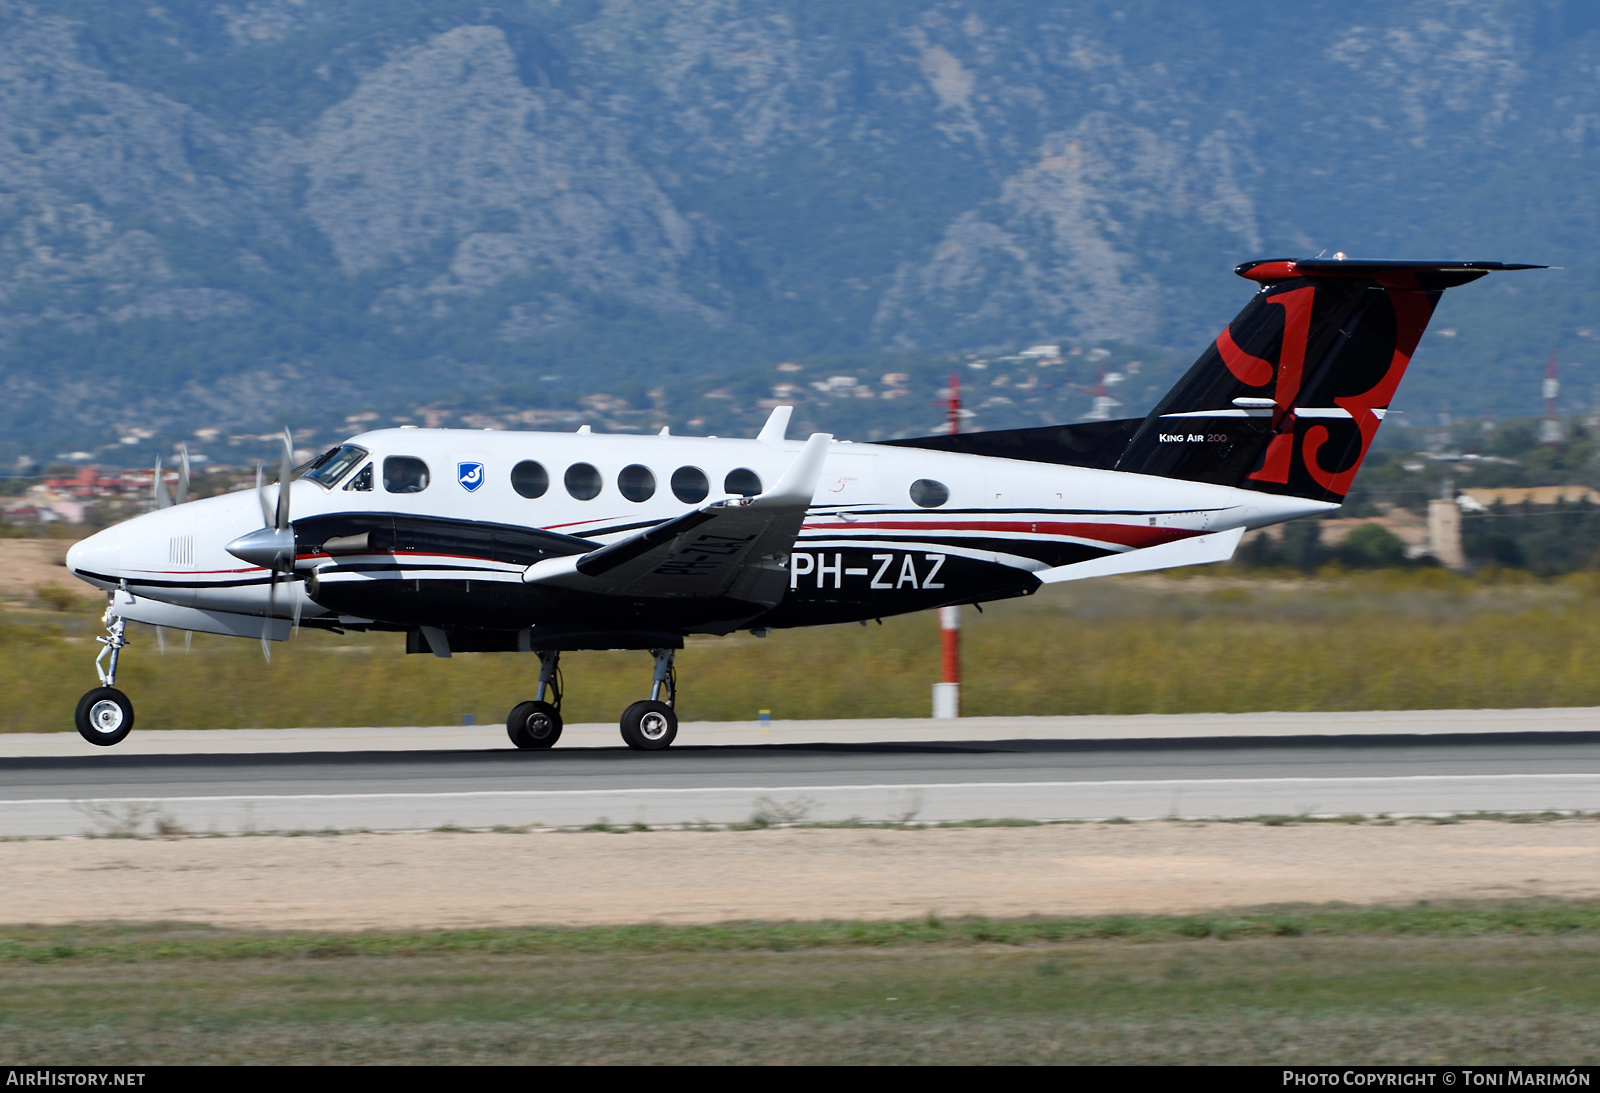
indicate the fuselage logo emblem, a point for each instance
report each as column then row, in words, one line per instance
column 470, row 475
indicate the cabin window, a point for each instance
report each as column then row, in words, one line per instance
column 333, row 464
column 742, row 480
column 636, row 482
column 404, row 474
column 530, row 479
column 690, row 485
column 583, row 481
column 928, row 494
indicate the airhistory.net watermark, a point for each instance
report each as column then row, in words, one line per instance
column 51, row 1077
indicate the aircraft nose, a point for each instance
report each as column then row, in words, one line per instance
column 97, row 559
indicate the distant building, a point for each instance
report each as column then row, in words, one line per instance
column 1482, row 499
column 1444, row 533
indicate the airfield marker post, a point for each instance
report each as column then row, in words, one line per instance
column 947, row 694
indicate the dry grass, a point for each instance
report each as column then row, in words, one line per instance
column 1398, row 640
column 1348, row 996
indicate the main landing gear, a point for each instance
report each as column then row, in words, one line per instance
column 652, row 725
column 648, row 725
column 105, row 715
column 537, row 724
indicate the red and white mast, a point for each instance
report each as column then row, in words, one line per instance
column 1550, row 428
column 947, row 692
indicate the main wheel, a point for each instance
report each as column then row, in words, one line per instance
column 104, row 716
column 649, row 725
column 534, row 725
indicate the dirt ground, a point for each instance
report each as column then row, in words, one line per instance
column 25, row 564
column 439, row 879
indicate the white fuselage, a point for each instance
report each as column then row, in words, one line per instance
column 1000, row 511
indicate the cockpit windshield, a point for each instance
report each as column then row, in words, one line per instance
column 334, row 464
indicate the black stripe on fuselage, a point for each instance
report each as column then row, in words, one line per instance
column 1051, row 552
column 153, row 582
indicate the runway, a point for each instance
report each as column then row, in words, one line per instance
column 1413, row 763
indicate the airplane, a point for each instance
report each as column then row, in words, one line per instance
column 536, row 542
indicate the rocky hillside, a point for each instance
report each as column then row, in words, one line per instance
column 229, row 214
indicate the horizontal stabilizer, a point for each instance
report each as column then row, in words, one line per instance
column 1201, row 550
column 1418, row 273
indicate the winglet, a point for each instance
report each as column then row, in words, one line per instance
column 777, row 427
column 799, row 483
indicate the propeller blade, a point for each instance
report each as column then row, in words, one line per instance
column 272, row 613
column 261, row 496
column 284, row 471
column 161, row 640
column 183, row 473
column 163, row 499
column 294, row 631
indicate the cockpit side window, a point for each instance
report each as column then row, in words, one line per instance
column 334, row 464
column 362, row 481
column 404, row 474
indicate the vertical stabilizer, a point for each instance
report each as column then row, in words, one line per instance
column 1289, row 396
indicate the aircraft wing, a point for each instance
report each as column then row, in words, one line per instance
column 734, row 549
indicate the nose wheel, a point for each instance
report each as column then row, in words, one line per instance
column 105, row 715
column 652, row 725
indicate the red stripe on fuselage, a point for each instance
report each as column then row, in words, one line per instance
column 1131, row 535
column 202, row 572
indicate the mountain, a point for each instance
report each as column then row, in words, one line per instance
column 226, row 215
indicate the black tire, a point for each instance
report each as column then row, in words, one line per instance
column 649, row 726
column 104, row 717
column 534, row 725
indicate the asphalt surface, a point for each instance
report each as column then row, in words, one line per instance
column 1424, row 772
column 877, row 730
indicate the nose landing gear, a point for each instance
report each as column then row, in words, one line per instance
column 537, row 724
column 652, row 725
column 105, row 715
